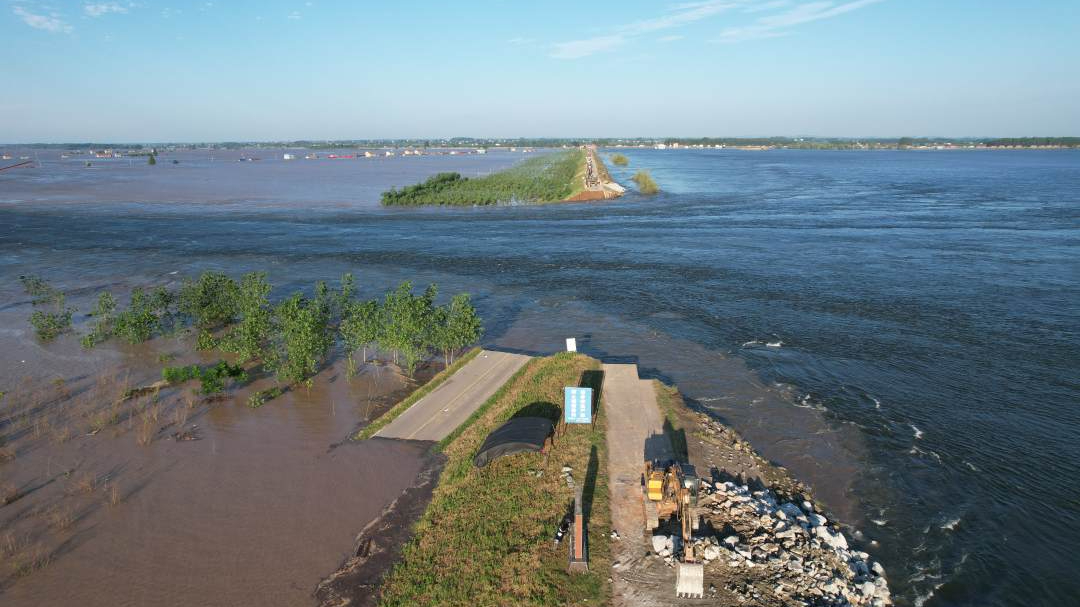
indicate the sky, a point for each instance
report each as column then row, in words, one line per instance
column 152, row 71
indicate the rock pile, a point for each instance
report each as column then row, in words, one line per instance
column 803, row 558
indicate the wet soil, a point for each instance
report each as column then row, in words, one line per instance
column 379, row 544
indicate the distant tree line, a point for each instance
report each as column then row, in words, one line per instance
column 291, row 339
column 556, row 142
column 545, row 178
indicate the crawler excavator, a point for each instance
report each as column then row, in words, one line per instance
column 671, row 493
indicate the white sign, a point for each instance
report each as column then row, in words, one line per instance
column 577, row 405
column 571, row 344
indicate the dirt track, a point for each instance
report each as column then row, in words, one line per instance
column 635, row 432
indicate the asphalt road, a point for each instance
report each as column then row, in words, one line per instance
column 448, row 406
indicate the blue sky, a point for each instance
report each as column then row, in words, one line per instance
column 204, row 71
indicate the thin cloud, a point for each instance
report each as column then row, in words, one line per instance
column 576, row 49
column 104, row 8
column 50, row 23
column 775, row 25
column 679, row 15
column 670, row 38
column 682, row 14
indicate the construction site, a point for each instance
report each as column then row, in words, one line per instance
column 587, row 484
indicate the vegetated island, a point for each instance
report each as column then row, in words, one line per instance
column 486, row 536
column 568, row 175
column 645, row 182
column 619, row 160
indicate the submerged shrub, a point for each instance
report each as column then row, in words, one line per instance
column 262, row 397
column 645, row 182
column 211, row 301
column 51, row 317
column 212, row 378
column 103, row 321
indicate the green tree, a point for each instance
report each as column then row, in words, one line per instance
column 51, row 317
column 152, row 161
column 103, row 321
column 407, row 319
column 210, row 301
column 303, row 339
column 248, row 338
column 144, row 315
column 464, row 324
column 645, row 182
column 361, row 326
column 454, row 326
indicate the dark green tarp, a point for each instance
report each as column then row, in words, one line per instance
column 518, row 434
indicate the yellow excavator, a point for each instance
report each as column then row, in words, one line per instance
column 671, row 492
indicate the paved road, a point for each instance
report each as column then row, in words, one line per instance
column 448, row 406
column 635, row 431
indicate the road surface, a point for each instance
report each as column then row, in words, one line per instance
column 635, row 432
column 439, row 413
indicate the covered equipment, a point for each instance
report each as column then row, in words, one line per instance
column 516, row 435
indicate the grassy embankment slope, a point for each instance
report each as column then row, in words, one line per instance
column 548, row 178
column 486, row 537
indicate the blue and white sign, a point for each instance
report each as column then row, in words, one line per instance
column 577, row 406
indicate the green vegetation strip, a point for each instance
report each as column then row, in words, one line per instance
column 486, row 537
column 547, row 178
column 380, row 422
column 645, row 182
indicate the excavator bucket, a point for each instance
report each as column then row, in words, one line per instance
column 690, row 581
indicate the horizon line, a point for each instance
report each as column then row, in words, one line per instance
column 539, row 138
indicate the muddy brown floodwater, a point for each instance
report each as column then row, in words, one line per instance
column 259, row 508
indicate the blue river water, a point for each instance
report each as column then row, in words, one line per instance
column 900, row 328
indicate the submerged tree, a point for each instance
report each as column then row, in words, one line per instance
column 361, row 326
column 103, row 321
column 303, row 339
column 249, row 336
column 455, row 326
column 146, row 315
column 406, row 321
column 51, row 317
column 211, row 301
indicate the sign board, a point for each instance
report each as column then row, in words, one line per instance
column 577, row 406
column 571, row 344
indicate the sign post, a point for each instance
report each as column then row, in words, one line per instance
column 577, row 405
